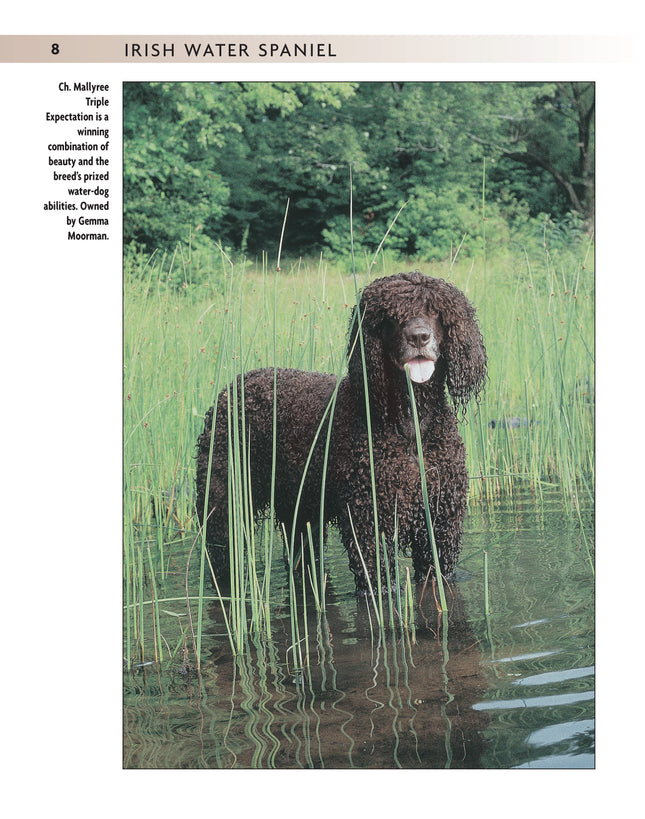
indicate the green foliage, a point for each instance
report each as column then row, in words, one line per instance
column 170, row 185
column 214, row 164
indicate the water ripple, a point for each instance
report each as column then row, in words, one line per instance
column 548, row 701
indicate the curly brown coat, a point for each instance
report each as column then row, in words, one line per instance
column 404, row 321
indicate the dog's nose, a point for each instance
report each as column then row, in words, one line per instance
column 418, row 339
column 418, row 333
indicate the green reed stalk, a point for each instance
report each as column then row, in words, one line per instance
column 244, row 567
column 323, row 485
column 397, row 574
column 296, row 640
column 448, row 696
column 486, row 600
column 156, row 627
column 370, row 447
column 305, row 620
column 424, row 493
column 378, row 606
column 236, row 522
column 255, row 594
column 274, row 442
column 311, row 568
column 359, row 334
column 203, row 556
column 329, row 409
column 484, row 216
column 129, row 564
column 284, row 225
column 389, row 581
column 368, row 414
column 139, row 621
column 410, row 622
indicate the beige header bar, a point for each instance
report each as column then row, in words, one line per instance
column 315, row 49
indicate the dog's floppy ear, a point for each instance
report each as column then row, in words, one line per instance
column 463, row 346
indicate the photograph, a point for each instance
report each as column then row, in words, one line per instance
column 359, row 475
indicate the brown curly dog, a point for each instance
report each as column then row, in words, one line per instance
column 407, row 321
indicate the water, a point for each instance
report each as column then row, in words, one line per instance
column 513, row 688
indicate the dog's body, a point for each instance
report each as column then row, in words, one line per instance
column 409, row 321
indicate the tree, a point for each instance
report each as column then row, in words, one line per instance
column 170, row 187
column 547, row 127
column 218, row 162
column 296, row 144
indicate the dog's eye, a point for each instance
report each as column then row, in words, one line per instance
column 389, row 329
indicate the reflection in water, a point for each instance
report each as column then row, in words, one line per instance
column 508, row 688
column 360, row 702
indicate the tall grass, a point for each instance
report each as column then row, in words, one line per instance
column 184, row 342
column 540, row 397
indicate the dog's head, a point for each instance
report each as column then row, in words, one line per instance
column 422, row 324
